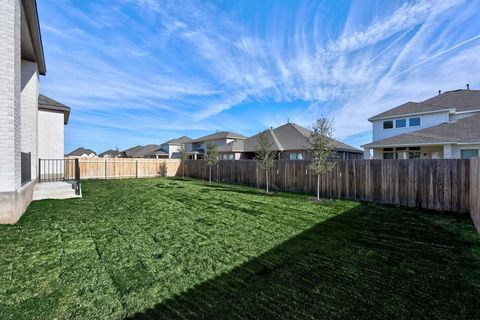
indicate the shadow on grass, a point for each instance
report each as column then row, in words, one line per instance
column 365, row 263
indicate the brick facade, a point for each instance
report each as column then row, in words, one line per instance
column 10, row 97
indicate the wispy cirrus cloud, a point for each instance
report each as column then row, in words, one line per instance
column 175, row 67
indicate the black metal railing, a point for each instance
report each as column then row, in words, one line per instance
column 57, row 170
column 26, row 167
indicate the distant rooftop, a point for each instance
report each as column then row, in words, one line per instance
column 220, row 135
column 287, row 137
column 458, row 100
column 80, row 151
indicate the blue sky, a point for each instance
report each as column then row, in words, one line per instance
column 145, row 71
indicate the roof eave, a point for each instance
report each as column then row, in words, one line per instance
column 31, row 12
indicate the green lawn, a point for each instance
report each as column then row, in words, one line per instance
column 164, row 248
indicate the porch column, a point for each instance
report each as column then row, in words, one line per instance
column 367, row 153
column 447, row 151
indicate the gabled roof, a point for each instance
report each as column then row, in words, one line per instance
column 466, row 130
column 220, row 135
column 131, row 151
column 142, row 152
column 461, row 100
column 287, row 137
column 46, row 103
column 179, row 141
column 156, row 152
column 452, row 101
column 80, row 151
column 111, row 152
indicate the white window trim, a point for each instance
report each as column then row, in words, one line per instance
column 407, row 120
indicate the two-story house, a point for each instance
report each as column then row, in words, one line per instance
column 171, row 147
column 31, row 124
column 446, row 126
column 198, row 146
column 289, row 141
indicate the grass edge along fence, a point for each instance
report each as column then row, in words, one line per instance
column 122, row 168
column 440, row 185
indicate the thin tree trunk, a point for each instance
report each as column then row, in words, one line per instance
column 318, row 186
column 266, row 178
column 183, row 171
column 210, row 175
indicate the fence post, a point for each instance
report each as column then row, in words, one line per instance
column 77, row 177
column 136, row 168
column 105, row 168
column 39, row 170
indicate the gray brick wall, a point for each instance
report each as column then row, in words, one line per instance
column 10, row 95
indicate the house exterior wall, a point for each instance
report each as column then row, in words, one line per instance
column 29, row 106
column 19, row 83
column 203, row 144
column 50, row 135
column 456, row 149
column 173, row 151
column 427, row 120
column 10, row 96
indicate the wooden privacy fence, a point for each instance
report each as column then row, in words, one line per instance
column 441, row 185
column 118, row 168
column 475, row 191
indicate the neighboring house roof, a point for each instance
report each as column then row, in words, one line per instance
column 287, row 137
column 80, row 151
column 157, row 152
column 143, row 151
column 220, row 135
column 179, row 141
column 111, row 153
column 456, row 100
column 31, row 31
column 46, row 103
column 466, row 130
column 130, row 152
column 461, row 100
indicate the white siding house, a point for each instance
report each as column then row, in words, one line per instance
column 446, row 126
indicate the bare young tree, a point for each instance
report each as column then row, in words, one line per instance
column 265, row 154
column 183, row 156
column 321, row 148
column 211, row 156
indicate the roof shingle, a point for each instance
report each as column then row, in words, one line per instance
column 460, row 100
column 466, row 130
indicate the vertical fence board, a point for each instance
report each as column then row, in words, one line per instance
column 475, row 191
column 441, row 185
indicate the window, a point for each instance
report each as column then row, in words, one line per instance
column 388, row 155
column 230, row 157
column 414, row 155
column 296, row 156
column 469, row 153
column 388, row 124
column 414, row 122
column 400, row 123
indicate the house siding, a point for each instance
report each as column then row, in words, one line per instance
column 50, row 135
column 428, row 120
column 29, row 119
